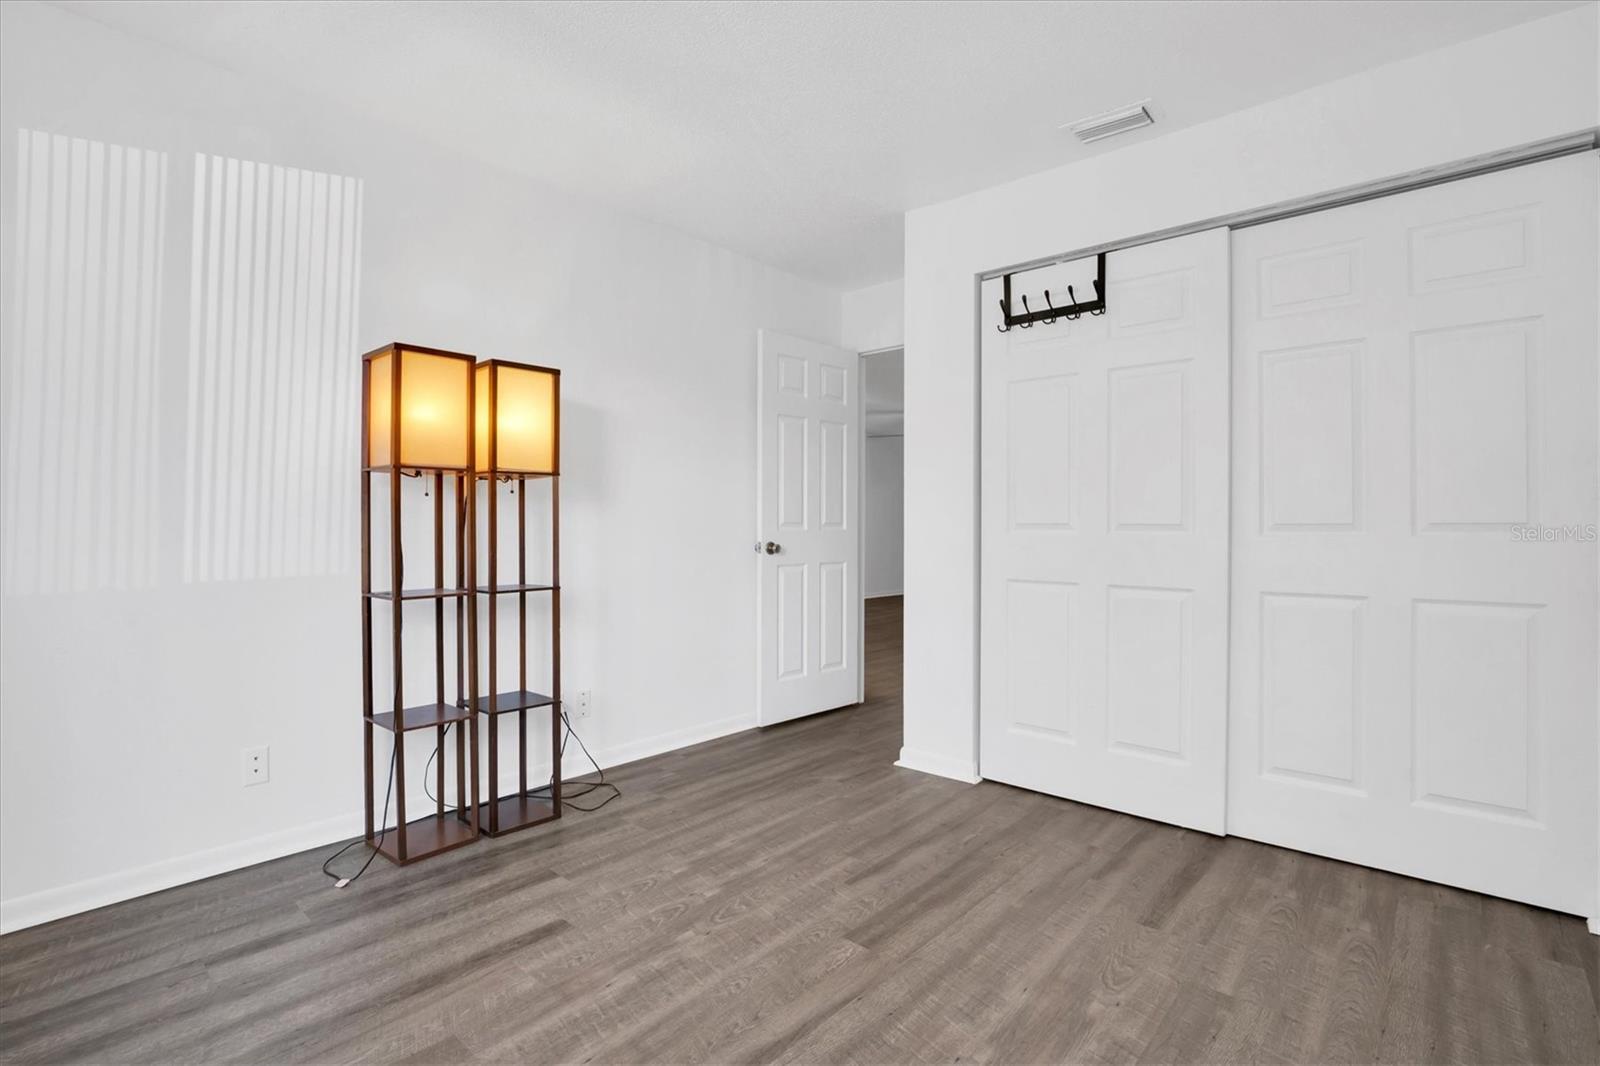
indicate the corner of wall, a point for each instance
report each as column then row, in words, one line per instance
column 874, row 318
column 927, row 762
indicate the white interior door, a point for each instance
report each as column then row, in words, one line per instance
column 808, row 417
column 1414, row 680
column 1104, row 587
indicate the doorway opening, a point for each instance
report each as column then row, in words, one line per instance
column 883, row 517
column 829, row 489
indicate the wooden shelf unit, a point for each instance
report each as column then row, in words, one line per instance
column 409, row 841
column 498, row 814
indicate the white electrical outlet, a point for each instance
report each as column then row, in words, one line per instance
column 581, row 704
column 255, row 765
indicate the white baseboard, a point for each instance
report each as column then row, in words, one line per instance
column 662, row 743
column 53, row 903
column 938, row 765
column 1594, row 925
column 575, row 764
column 881, row 595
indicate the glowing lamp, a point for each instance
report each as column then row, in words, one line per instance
column 516, row 420
column 432, row 390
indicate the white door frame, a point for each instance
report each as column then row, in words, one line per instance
column 1520, row 155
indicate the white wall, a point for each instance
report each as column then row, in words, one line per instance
column 883, row 561
column 134, row 665
column 1534, row 81
column 874, row 317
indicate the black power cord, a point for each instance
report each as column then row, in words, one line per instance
column 541, row 791
column 544, row 791
column 340, row 882
column 425, row 770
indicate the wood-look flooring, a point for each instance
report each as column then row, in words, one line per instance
column 788, row 895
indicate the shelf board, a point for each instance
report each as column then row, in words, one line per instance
column 420, row 594
column 408, row 469
column 426, row 837
column 521, row 700
column 423, row 716
column 502, row 589
column 516, row 812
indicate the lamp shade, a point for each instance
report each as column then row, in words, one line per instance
column 517, row 418
column 434, row 402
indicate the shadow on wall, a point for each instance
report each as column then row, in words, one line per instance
column 270, row 382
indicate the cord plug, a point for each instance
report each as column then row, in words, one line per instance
column 341, row 882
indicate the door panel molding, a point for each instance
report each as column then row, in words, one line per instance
column 1104, row 551
column 1414, row 686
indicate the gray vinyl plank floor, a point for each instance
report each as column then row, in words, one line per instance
column 787, row 895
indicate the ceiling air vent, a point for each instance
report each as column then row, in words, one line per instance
column 1111, row 123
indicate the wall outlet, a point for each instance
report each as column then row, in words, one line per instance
column 582, row 704
column 255, row 765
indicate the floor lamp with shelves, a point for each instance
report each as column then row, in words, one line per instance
column 517, row 429
column 416, row 418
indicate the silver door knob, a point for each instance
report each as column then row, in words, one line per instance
column 771, row 548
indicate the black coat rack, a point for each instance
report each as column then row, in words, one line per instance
column 1051, row 312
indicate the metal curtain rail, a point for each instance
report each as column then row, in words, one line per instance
column 1533, row 152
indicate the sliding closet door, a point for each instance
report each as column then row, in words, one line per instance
column 1414, row 570
column 1104, row 538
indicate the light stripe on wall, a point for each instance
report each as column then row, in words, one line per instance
column 273, row 377
column 82, row 480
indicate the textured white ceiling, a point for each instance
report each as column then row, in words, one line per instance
column 797, row 133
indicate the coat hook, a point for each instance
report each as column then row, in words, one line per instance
column 1073, row 314
column 1099, row 298
column 1052, row 319
column 1003, row 327
column 1027, row 311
